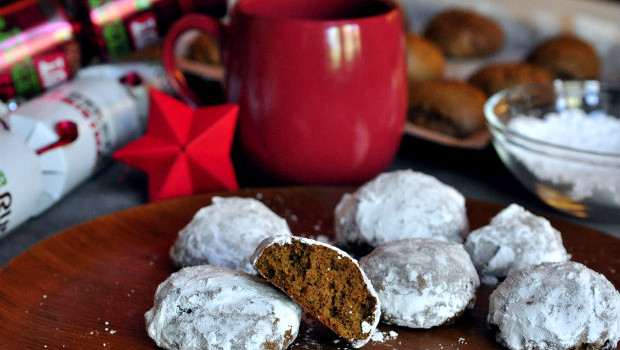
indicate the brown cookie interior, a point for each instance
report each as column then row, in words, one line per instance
column 326, row 284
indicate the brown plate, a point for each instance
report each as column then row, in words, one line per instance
column 89, row 286
column 476, row 141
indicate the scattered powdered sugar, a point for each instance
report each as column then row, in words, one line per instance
column 318, row 225
column 587, row 175
column 533, row 308
column 397, row 205
column 514, row 239
column 381, row 337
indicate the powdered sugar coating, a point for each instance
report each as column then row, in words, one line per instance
column 226, row 232
column 562, row 305
column 283, row 240
column 514, row 239
column 397, row 205
column 208, row 307
column 421, row 282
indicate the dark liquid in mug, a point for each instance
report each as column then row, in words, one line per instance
column 315, row 9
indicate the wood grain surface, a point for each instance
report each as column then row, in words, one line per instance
column 89, row 287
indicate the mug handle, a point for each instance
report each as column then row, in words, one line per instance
column 175, row 77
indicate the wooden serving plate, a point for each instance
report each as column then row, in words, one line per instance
column 89, row 286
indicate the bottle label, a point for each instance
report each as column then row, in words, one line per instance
column 90, row 111
column 6, row 199
column 109, row 119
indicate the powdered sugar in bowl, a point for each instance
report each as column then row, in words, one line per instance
column 562, row 141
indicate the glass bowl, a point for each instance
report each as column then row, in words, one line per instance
column 565, row 165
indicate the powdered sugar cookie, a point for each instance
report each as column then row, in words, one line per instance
column 397, row 205
column 226, row 233
column 208, row 307
column 514, row 239
column 421, row 282
column 562, row 305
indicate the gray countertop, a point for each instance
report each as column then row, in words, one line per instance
column 478, row 174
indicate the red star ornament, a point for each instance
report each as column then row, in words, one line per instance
column 184, row 151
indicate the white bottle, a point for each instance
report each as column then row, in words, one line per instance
column 75, row 127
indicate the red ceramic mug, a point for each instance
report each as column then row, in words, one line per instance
column 321, row 84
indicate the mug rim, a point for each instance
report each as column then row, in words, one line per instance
column 241, row 8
